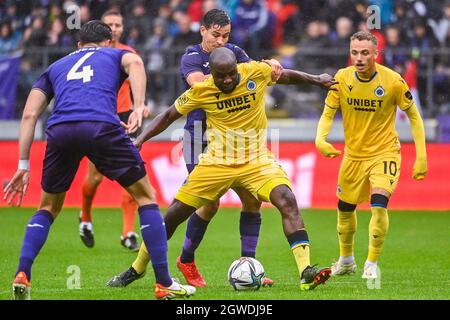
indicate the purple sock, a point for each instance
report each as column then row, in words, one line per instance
column 195, row 231
column 155, row 238
column 249, row 226
column 36, row 234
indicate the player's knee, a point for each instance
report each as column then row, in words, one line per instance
column 345, row 206
column 208, row 211
column 251, row 204
column 379, row 200
column 95, row 178
column 287, row 203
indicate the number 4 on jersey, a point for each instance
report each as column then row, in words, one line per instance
column 86, row 74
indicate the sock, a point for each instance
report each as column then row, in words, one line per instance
column 155, row 238
column 129, row 208
column 36, row 234
column 346, row 227
column 142, row 260
column 299, row 243
column 370, row 263
column 378, row 227
column 88, row 192
column 249, row 226
column 347, row 260
column 196, row 228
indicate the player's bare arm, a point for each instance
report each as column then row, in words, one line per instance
column 197, row 76
column 160, row 123
column 35, row 105
column 323, row 80
column 133, row 65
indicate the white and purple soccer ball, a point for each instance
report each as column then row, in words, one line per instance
column 246, row 274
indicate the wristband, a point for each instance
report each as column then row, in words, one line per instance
column 24, row 165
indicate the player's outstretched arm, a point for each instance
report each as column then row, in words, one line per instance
column 35, row 105
column 323, row 80
column 323, row 129
column 418, row 133
column 132, row 65
column 161, row 122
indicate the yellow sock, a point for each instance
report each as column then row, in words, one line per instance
column 378, row 227
column 142, row 260
column 301, row 255
column 346, row 227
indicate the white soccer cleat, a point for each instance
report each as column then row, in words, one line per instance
column 338, row 268
column 370, row 271
column 21, row 287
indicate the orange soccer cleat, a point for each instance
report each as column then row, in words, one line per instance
column 191, row 273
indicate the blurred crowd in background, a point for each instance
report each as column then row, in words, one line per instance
column 311, row 35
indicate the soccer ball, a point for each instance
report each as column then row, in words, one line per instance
column 246, row 274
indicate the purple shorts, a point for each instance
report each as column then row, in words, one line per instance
column 105, row 144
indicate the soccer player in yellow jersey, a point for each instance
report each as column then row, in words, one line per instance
column 237, row 155
column 368, row 95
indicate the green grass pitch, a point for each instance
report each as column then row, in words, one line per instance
column 414, row 264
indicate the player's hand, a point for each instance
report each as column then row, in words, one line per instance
column 17, row 187
column 328, row 150
column 326, row 81
column 135, row 119
column 420, row 168
column 277, row 68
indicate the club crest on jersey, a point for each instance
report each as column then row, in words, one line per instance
column 251, row 85
column 379, row 92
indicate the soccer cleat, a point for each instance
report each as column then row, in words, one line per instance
column 370, row 271
column 21, row 287
column 267, row 282
column 125, row 278
column 312, row 277
column 338, row 268
column 130, row 241
column 191, row 273
column 87, row 233
column 175, row 291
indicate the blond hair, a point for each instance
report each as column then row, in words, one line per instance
column 364, row 35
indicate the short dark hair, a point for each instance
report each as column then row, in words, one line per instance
column 111, row 12
column 94, row 31
column 364, row 35
column 215, row 17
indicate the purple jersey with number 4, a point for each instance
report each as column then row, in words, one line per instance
column 84, row 122
column 85, row 85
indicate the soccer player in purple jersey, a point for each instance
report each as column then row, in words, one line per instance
column 84, row 123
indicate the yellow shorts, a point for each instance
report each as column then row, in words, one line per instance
column 208, row 182
column 358, row 177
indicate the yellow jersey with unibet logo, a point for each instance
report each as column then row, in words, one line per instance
column 368, row 109
column 236, row 122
